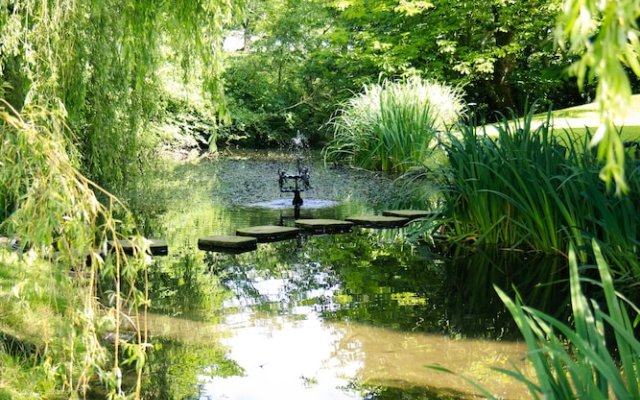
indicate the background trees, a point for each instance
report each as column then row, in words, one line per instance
column 304, row 58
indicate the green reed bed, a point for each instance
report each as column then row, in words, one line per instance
column 526, row 188
column 586, row 368
column 597, row 357
column 392, row 126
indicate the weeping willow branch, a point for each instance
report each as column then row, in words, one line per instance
column 94, row 64
column 605, row 35
column 54, row 210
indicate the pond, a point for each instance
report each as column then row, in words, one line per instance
column 351, row 316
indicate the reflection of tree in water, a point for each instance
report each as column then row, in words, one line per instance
column 174, row 367
column 385, row 284
column 389, row 285
column 472, row 303
column 275, row 279
column 379, row 392
column 380, row 280
column 180, row 286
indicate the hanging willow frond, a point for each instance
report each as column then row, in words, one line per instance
column 605, row 35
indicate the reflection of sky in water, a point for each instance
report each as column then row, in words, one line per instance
column 285, row 295
column 280, row 290
column 300, row 356
column 285, row 358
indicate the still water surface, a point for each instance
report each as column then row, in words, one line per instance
column 350, row 316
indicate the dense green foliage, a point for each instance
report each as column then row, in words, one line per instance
column 48, row 289
column 78, row 85
column 527, row 188
column 392, row 126
column 605, row 35
column 302, row 59
column 94, row 66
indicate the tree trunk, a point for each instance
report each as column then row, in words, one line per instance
column 501, row 88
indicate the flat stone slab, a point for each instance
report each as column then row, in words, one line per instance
column 156, row 247
column 269, row 233
column 324, row 225
column 378, row 221
column 227, row 244
column 409, row 214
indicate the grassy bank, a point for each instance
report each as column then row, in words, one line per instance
column 580, row 119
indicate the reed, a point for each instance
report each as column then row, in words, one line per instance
column 587, row 368
column 392, row 126
column 598, row 357
column 528, row 188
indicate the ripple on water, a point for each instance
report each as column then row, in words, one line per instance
column 285, row 203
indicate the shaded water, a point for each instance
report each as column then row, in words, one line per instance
column 351, row 316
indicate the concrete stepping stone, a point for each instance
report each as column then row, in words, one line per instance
column 269, row 233
column 409, row 214
column 228, row 244
column 156, row 247
column 378, row 221
column 324, row 225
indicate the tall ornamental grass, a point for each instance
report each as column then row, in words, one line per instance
column 392, row 126
column 529, row 189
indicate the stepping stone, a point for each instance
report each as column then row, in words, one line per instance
column 324, row 225
column 377, row 221
column 228, row 244
column 156, row 247
column 410, row 214
column 269, row 233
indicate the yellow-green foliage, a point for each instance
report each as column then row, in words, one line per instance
column 605, row 33
column 94, row 64
column 48, row 298
column 77, row 85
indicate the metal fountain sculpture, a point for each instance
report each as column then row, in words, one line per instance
column 296, row 182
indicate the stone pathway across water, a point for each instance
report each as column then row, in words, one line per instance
column 240, row 243
column 246, row 239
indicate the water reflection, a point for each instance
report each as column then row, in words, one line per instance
column 352, row 316
column 369, row 314
column 175, row 366
column 286, row 357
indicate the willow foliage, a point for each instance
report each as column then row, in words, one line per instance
column 94, row 62
column 605, row 34
column 48, row 289
column 77, row 84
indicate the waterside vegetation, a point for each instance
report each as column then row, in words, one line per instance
column 79, row 85
column 60, row 291
column 531, row 189
column 394, row 126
